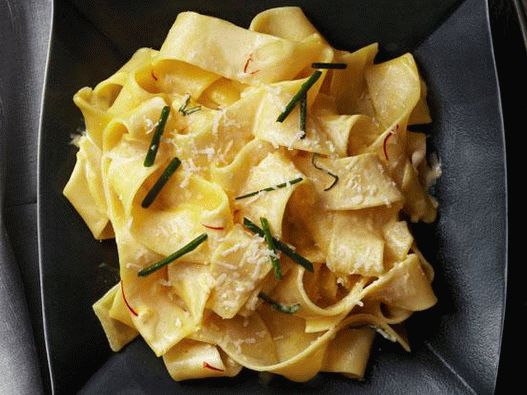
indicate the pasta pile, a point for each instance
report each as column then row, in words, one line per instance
column 255, row 183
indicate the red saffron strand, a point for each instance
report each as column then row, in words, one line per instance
column 249, row 60
column 384, row 144
column 392, row 132
column 126, row 302
column 153, row 75
column 213, row 227
column 207, row 366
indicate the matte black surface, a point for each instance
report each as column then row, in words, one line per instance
column 456, row 345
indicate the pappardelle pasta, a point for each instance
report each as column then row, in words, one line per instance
column 256, row 183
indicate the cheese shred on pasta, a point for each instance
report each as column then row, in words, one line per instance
column 355, row 166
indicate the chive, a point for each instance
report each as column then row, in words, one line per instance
column 278, row 306
column 187, row 111
column 280, row 245
column 298, row 96
column 279, row 186
column 303, row 115
column 160, row 183
column 156, row 138
column 329, row 65
column 269, row 239
column 192, row 110
column 336, row 178
column 191, row 246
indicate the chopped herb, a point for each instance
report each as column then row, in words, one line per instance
column 269, row 239
column 280, row 245
column 156, row 138
column 299, row 95
column 335, row 177
column 279, row 186
column 185, row 110
column 191, row 246
column 278, row 306
column 329, row 65
column 160, row 183
column 303, row 115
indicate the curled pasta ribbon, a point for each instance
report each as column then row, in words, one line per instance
column 218, row 307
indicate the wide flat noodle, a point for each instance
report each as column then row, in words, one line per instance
column 288, row 133
column 117, row 333
column 272, row 59
column 273, row 170
column 190, row 359
column 405, row 286
column 333, row 195
column 394, row 89
column 178, row 216
column 363, row 182
column 292, row 290
column 349, row 86
column 97, row 104
column 289, row 23
column 348, row 353
column 85, row 191
column 238, row 265
column 356, row 247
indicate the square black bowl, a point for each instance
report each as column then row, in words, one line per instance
column 456, row 345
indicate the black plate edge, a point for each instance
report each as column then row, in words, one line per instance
column 505, row 184
column 39, row 225
column 521, row 12
column 509, row 22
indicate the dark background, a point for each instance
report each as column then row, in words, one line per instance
column 507, row 19
column 19, row 214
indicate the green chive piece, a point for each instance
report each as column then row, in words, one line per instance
column 269, row 239
column 160, row 183
column 303, row 115
column 187, row 111
column 156, row 138
column 335, row 177
column 191, row 246
column 329, row 65
column 298, row 96
column 306, row 264
column 279, row 186
column 279, row 306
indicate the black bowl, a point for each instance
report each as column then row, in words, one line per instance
column 456, row 345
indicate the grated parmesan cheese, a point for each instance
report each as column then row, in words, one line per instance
column 233, row 249
column 75, row 138
column 189, row 168
column 227, row 266
column 221, row 279
column 164, row 283
column 133, row 266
